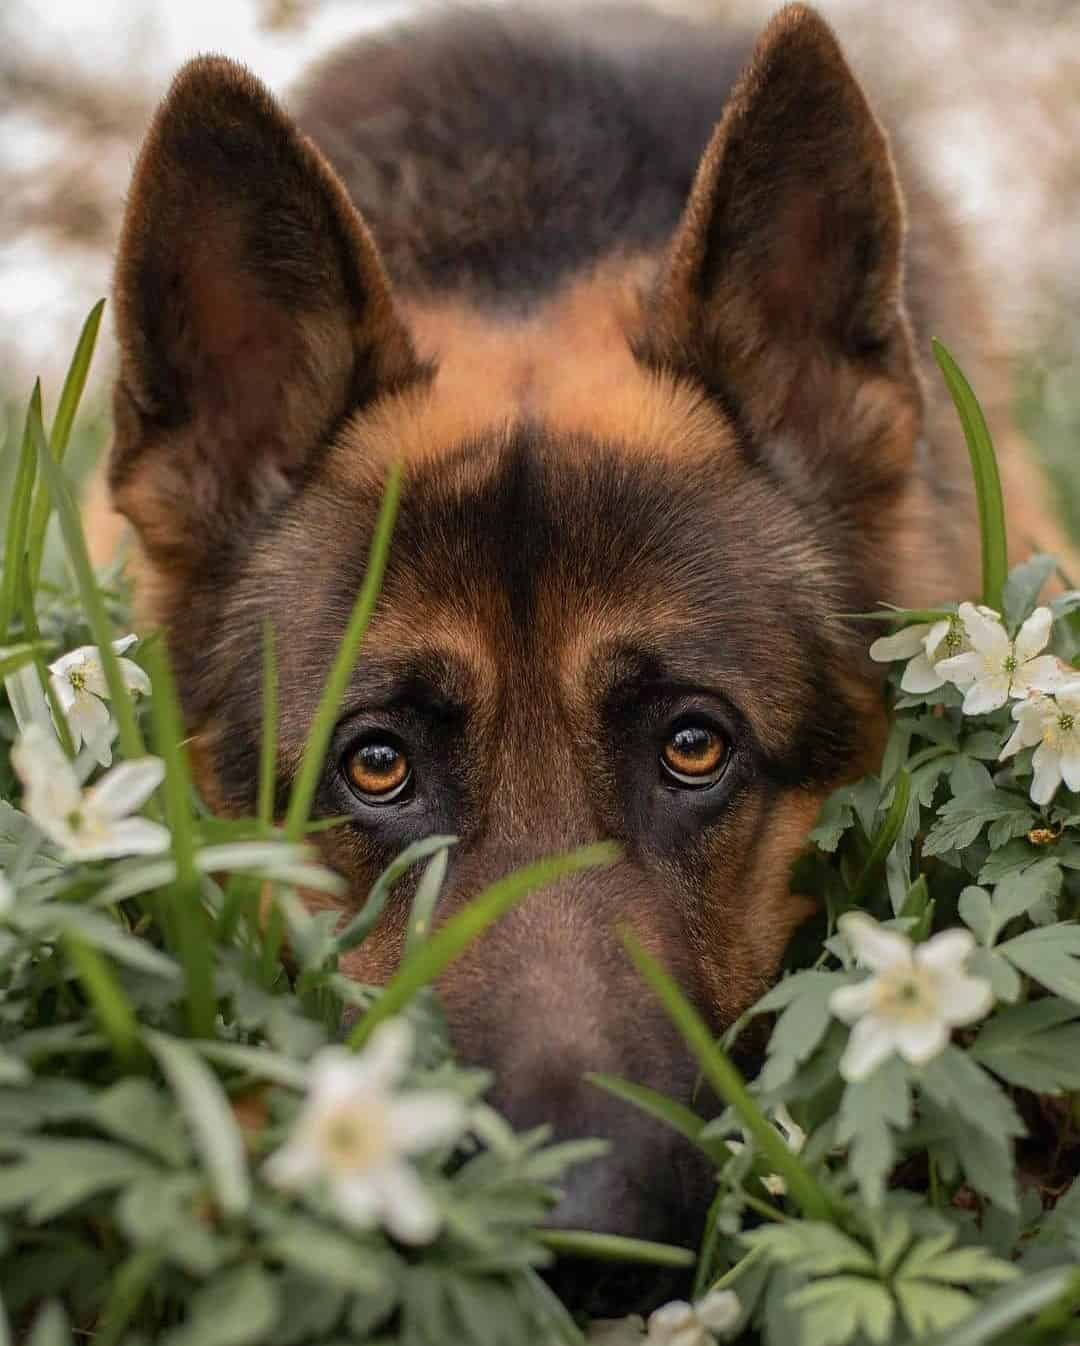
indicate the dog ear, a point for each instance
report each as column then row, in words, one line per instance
column 785, row 272
column 252, row 310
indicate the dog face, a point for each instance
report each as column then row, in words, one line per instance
column 631, row 516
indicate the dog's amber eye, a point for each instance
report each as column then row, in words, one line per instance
column 378, row 771
column 694, row 755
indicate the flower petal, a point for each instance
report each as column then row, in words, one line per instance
column 293, row 1165
column 903, row 645
column 387, row 1055
column 920, row 676
column 126, row 787
column 358, row 1199
column 962, row 669
column 987, row 635
column 920, row 1040
column 849, row 1003
column 965, row 999
column 1069, row 765
column 126, row 836
column 1047, row 768
column 135, row 678
column 74, row 659
column 425, row 1119
column 872, row 1041
column 873, row 946
column 88, row 718
column 124, row 644
column 408, row 1211
column 719, row 1311
column 946, row 952
column 50, row 787
column 675, row 1323
column 64, row 692
column 1044, row 674
column 1033, row 635
column 987, row 694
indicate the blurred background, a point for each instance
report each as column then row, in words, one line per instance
column 991, row 89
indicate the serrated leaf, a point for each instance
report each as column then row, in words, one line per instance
column 833, row 1311
column 1016, row 894
column 1034, row 1046
column 931, row 1308
column 811, row 1247
column 1023, row 587
column 962, row 819
column 1004, row 980
column 870, row 1112
column 801, row 1025
column 46, row 1177
column 134, row 1111
column 1014, row 858
column 1016, row 1304
column 974, row 908
column 330, row 1257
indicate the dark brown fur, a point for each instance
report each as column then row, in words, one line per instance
column 663, row 400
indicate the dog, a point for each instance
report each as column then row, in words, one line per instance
column 644, row 311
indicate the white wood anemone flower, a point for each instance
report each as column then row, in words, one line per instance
column 91, row 824
column 924, row 646
column 79, row 682
column 698, row 1324
column 918, row 995
column 355, row 1134
column 997, row 668
column 1052, row 722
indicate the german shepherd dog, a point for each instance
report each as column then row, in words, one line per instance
column 640, row 308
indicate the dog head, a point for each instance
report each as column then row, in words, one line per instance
column 629, row 520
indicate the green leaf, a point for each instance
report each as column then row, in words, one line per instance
column 962, row 818
column 18, row 517
column 870, row 1112
column 811, row 1247
column 833, row 1311
column 987, row 480
column 134, row 1111
column 886, row 837
column 804, row 1000
column 213, row 1127
column 330, row 1257
column 928, row 1260
column 1034, row 1046
column 975, row 912
column 47, row 1177
column 237, row 1309
column 1050, row 955
column 676, row 1115
column 931, row 1308
column 130, row 1282
column 1023, row 587
column 111, row 1007
column 1011, row 1307
column 430, row 959
column 836, row 817
column 428, row 890
column 50, row 1328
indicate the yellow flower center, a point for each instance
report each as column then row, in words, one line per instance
column 908, row 993
column 353, row 1138
column 77, row 678
column 1010, row 665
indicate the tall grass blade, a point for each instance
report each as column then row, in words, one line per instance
column 268, row 739
column 995, row 563
column 59, row 436
column 676, row 1115
column 885, row 838
column 613, row 1248
column 813, row 1200
column 187, row 921
column 122, row 707
column 424, row 903
column 318, row 739
column 111, row 1007
column 431, row 958
column 18, row 518
column 368, row 916
column 30, row 630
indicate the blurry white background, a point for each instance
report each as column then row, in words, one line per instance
column 991, row 87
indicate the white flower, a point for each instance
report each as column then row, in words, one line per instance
column 7, row 897
column 997, row 668
column 794, row 1137
column 919, row 994
column 88, row 824
column 1053, row 722
column 698, row 1324
column 924, row 645
column 355, row 1134
column 79, row 682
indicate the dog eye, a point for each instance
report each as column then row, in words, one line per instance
column 694, row 755
column 378, row 771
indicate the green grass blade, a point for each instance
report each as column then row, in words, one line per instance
column 679, row 1117
column 885, row 838
column 18, row 656
column 18, row 518
column 995, row 563
column 429, row 959
column 268, row 739
column 30, row 629
column 187, row 921
column 318, row 739
column 427, row 895
column 613, row 1248
column 70, row 397
column 122, row 707
column 214, row 1131
column 111, row 1007
column 808, row 1194
column 367, row 917
column 994, row 1323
